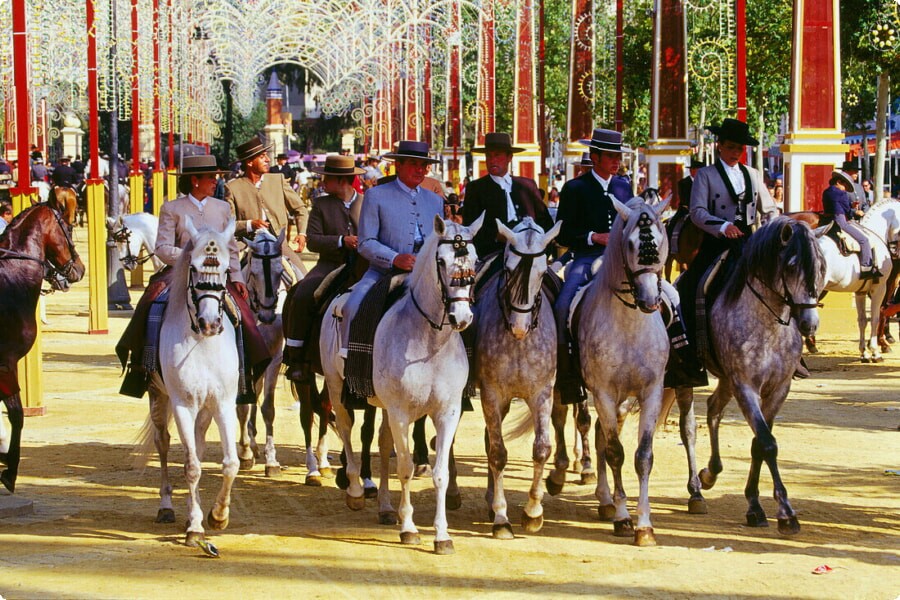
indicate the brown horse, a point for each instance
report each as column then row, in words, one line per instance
column 36, row 245
column 685, row 250
column 67, row 200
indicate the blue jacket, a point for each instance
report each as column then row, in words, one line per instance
column 584, row 207
column 836, row 201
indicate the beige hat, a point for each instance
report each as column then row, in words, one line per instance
column 336, row 164
column 204, row 164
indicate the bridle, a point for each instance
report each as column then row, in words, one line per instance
column 648, row 254
column 205, row 290
column 504, row 289
column 785, row 298
column 57, row 277
column 463, row 275
column 269, row 291
column 129, row 261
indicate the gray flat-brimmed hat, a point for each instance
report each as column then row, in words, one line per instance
column 498, row 141
column 604, row 140
column 336, row 164
column 250, row 149
column 203, row 164
column 844, row 177
column 411, row 149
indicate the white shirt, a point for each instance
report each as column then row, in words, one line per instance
column 198, row 203
column 505, row 184
column 736, row 176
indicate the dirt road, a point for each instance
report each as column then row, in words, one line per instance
column 93, row 532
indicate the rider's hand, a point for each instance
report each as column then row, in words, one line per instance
column 405, row 262
column 300, row 242
column 732, row 232
column 258, row 224
column 241, row 289
column 350, row 241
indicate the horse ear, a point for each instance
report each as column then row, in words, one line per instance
column 662, row 205
column 787, row 230
column 505, row 232
column 476, row 224
column 623, row 210
column 820, row 231
column 189, row 226
column 439, row 226
column 551, row 235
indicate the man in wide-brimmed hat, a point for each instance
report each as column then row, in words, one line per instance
column 261, row 200
column 587, row 213
column 501, row 196
column 837, row 203
column 728, row 201
column 332, row 231
column 850, row 169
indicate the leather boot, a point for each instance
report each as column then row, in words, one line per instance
column 568, row 377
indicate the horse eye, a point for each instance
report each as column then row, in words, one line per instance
column 441, row 262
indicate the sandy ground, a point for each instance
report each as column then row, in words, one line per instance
column 93, row 532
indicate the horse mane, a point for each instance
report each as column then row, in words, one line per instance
column 518, row 279
column 179, row 281
column 762, row 261
column 21, row 217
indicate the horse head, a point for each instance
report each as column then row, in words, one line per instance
column 638, row 240
column 263, row 274
column 64, row 265
column 454, row 255
column 524, row 266
column 208, row 272
column 128, row 247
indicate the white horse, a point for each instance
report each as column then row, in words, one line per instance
column 420, row 368
column 882, row 225
column 132, row 234
column 514, row 327
column 624, row 349
column 264, row 273
column 198, row 377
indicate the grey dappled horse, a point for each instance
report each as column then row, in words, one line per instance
column 514, row 328
column 769, row 300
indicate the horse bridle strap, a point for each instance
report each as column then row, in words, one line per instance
column 123, row 236
column 785, row 298
column 504, row 290
column 267, row 275
column 460, row 278
column 196, row 299
column 55, row 276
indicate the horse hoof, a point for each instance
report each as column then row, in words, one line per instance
column 273, row 470
column 697, row 506
column 214, row 523
column 643, row 536
column 410, row 538
column 502, row 531
column 532, row 524
column 316, row 481
column 165, row 515
column 247, row 463
column 444, row 547
column 606, row 512
column 623, row 528
column 553, row 488
column 356, row 503
column 454, row 501
column 193, row 537
column 341, row 479
column 423, row 471
column 388, row 517
column 889, row 338
column 877, row 359
column 789, row 526
column 370, row 492
column 707, row 479
column 757, row 519
column 588, row 478
column 865, row 359
column 327, row 472
column 8, row 481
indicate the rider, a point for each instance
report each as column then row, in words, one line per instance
column 332, row 231
column 197, row 182
column 64, row 175
column 836, row 204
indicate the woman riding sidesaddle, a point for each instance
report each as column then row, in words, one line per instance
column 836, row 207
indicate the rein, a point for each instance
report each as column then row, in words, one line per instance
column 504, row 289
column 57, row 277
column 204, row 287
column 785, row 298
column 269, row 290
column 123, row 236
column 462, row 276
column 648, row 254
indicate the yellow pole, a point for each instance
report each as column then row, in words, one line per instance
column 136, row 197
column 159, row 194
column 171, row 186
column 30, row 366
column 96, row 212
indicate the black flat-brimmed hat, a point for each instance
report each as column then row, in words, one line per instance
column 281, row 156
column 204, row 164
column 251, row 149
column 336, row 164
column 586, row 160
column 498, row 141
column 734, row 131
column 696, row 164
column 849, row 165
column 411, row 149
column 605, row 140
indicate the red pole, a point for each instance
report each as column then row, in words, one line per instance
column 135, row 95
column 620, row 63
column 741, row 67
column 93, row 119
column 171, row 95
column 157, row 125
column 20, row 69
column 542, row 108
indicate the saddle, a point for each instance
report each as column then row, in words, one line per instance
column 846, row 244
column 674, row 226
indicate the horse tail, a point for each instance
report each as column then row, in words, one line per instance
column 523, row 424
column 145, row 441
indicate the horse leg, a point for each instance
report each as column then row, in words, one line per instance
column 446, row 425
column 614, row 454
column 323, row 409
column 454, row 498
column 399, row 425
column 861, row 320
column 687, row 428
column 185, row 421
column 367, row 436
column 159, row 414
column 714, row 407
column 387, row 515
column 557, row 477
column 606, row 509
column 11, row 458
column 219, row 513
column 583, row 463
column 651, row 404
column 273, row 467
column 344, row 421
column 875, row 319
column 304, row 394
column 533, row 513
column 497, row 457
column 245, row 452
